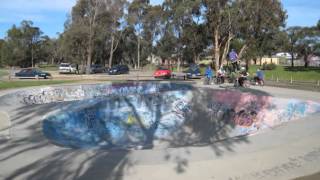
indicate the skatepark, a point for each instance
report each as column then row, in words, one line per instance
column 158, row 130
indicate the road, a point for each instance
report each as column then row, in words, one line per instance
column 284, row 152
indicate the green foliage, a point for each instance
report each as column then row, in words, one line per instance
column 22, row 45
column 49, row 67
column 3, row 72
column 127, row 32
column 270, row 66
column 285, row 73
column 304, row 41
column 20, row 84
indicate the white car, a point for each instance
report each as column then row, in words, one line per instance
column 67, row 68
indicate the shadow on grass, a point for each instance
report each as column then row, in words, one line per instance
column 205, row 124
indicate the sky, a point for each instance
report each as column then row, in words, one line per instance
column 50, row 15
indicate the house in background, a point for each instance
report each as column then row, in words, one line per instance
column 153, row 59
column 314, row 61
column 286, row 55
column 267, row 60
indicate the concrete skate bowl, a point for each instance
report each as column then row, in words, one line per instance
column 149, row 114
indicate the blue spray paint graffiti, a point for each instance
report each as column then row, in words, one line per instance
column 133, row 116
column 118, row 122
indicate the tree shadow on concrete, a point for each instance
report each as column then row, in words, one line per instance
column 29, row 155
column 206, row 124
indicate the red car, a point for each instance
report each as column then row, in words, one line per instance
column 162, row 73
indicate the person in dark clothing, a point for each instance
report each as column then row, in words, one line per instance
column 77, row 68
column 243, row 77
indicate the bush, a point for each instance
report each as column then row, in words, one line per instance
column 270, row 66
column 150, row 67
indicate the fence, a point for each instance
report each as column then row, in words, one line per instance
column 305, row 85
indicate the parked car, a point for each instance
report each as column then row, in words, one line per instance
column 32, row 73
column 193, row 72
column 119, row 69
column 97, row 68
column 162, row 72
column 67, row 68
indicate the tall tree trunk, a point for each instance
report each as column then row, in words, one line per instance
column 247, row 64
column 226, row 50
column 242, row 50
column 90, row 48
column 111, row 51
column 138, row 52
column 195, row 58
column 260, row 58
column 292, row 60
column 92, row 25
column 216, row 48
column 306, row 61
column 198, row 59
column 227, row 45
column 179, row 64
column 32, row 63
column 52, row 60
column 255, row 61
column 292, row 53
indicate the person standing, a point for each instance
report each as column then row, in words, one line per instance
column 221, row 75
column 233, row 57
column 208, row 75
column 77, row 68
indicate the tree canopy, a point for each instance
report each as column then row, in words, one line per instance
column 112, row 32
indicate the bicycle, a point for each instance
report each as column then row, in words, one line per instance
column 259, row 82
column 207, row 80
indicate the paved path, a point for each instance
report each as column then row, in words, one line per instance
column 285, row 152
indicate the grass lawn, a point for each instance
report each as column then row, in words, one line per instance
column 28, row 83
column 49, row 67
column 285, row 73
column 3, row 72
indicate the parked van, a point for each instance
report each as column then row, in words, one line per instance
column 67, row 68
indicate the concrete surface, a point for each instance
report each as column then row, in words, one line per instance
column 285, row 152
column 5, row 124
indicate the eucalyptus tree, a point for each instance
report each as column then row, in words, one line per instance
column 294, row 34
column 152, row 29
column 14, row 51
column 21, row 45
column 218, row 18
column 183, row 19
column 165, row 46
column 32, row 36
column 128, row 46
column 251, row 22
column 89, row 16
column 2, row 44
column 116, row 10
column 308, row 43
column 259, row 22
column 136, row 13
